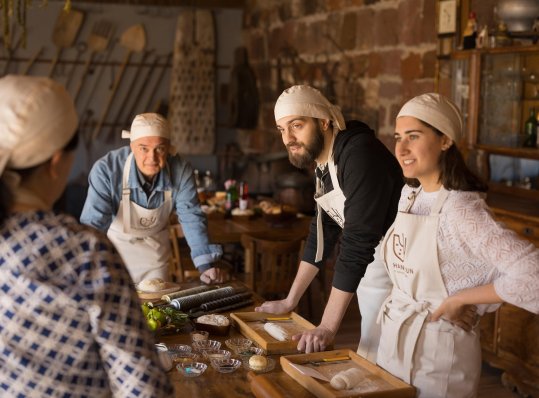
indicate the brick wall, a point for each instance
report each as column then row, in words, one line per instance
column 368, row 56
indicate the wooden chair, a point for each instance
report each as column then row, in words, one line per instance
column 271, row 264
column 181, row 269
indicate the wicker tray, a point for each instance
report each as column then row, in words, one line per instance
column 377, row 382
column 251, row 325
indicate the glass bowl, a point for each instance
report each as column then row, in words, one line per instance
column 238, row 345
column 269, row 366
column 197, row 335
column 178, row 348
column 203, row 345
column 183, row 357
column 191, row 369
column 249, row 352
column 213, row 355
column 226, row 365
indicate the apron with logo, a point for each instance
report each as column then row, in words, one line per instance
column 141, row 235
column 375, row 284
column 438, row 358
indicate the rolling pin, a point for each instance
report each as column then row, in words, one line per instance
column 261, row 387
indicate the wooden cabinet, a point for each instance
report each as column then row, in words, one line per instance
column 495, row 89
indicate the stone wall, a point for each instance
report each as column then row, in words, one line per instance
column 368, row 56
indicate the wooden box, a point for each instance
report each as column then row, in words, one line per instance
column 251, row 325
column 376, row 383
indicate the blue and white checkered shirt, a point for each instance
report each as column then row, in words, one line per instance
column 70, row 320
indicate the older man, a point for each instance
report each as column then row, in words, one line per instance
column 358, row 184
column 133, row 191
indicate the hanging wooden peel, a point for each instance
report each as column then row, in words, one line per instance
column 133, row 40
column 65, row 32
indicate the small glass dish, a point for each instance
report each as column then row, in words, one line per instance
column 203, row 345
column 178, row 348
column 249, row 352
column 197, row 335
column 226, row 365
column 239, row 344
column 183, row 357
column 191, row 369
column 214, row 355
column 269, row 366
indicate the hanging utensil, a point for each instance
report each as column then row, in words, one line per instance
column 159, row 80
column 98, row 41
column 81, row 49
column 31, row 61
column 131, row 86
column 10, row 53
column 65, row 32
column 133, row 40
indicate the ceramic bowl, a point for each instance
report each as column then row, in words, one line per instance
column 191, row 369
column 226, row 365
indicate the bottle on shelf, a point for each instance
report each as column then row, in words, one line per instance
column 209, row 184
column 530, row 130
column 200, row 187
column 244, row 196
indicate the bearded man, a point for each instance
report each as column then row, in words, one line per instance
column 358, row 185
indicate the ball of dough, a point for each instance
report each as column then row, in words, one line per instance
column 258, row 362
column 152, row 285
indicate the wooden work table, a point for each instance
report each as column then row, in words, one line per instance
column 231, row 385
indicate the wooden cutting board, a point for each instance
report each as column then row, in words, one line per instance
column 192, row 84
column 170, row 288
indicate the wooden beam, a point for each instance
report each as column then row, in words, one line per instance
column 176, row 3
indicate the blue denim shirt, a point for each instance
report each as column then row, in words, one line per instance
column 105, row 193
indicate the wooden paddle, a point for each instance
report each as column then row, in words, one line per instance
column 65, row 32
column 132, row 39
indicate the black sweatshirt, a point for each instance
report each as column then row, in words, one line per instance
column 371, row 180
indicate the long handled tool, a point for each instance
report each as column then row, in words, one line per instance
column 98, row 41
column 133, row 39
column 65, row 32
column 31, row 61
column 156, row 85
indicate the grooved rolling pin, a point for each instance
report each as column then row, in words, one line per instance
column 187, row 302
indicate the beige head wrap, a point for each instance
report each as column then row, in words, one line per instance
column 37, row 118
column 438, row 111
column 308, row 101
column 148, row 125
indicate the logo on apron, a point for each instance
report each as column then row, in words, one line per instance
column 399, row 246
column 147, row 221
column 333, row 213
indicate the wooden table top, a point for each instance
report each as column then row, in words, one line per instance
column 228, row 385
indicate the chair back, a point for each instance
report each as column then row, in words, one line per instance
column 272, row 263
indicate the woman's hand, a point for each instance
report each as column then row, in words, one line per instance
column 452, row 310
column 276, row 307
column 314, row 340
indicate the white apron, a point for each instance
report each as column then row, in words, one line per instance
column 375, row 284
column 141, row 235
column 439, row 359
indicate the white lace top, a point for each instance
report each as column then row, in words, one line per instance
column 474, row 249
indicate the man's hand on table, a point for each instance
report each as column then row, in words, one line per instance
column 314, row 340
column 276, row 307
column 214, row 275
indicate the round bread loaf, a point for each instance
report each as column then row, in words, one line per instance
column 258, row 362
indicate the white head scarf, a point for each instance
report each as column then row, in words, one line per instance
column 148, row 125
column 438, row 111
column 307, row 101
column 37, row 118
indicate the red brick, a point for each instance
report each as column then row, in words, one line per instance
column 413, row 88
column 348, row 31
column 280, row 38
column 410, row 22
column 256, row 46
column 332, row 5
column 389, row 90
column 365, row 31
column 429, row 64
column 382, row 117
column 428, row 25
column 386, row 27
column 390, row 63
column 375, row 64
column 411, row 67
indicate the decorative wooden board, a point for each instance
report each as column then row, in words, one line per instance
column 377, row 382
column 251, row 325
column 171, row 288
column 192, row 85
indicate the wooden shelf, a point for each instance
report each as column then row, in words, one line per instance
column 527, row 153
column 513, row 199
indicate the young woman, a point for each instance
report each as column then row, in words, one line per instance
column 70, row 320
column 443, row 252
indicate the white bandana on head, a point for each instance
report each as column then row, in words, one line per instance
column 148, row 125
column 304, row 100
column 37, row 118
column 438, row 111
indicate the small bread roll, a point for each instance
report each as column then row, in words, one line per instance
column 276, row 331
column 346, row 379
column 258, row 362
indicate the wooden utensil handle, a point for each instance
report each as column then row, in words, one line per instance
column 55, row 61
column 83, row 77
